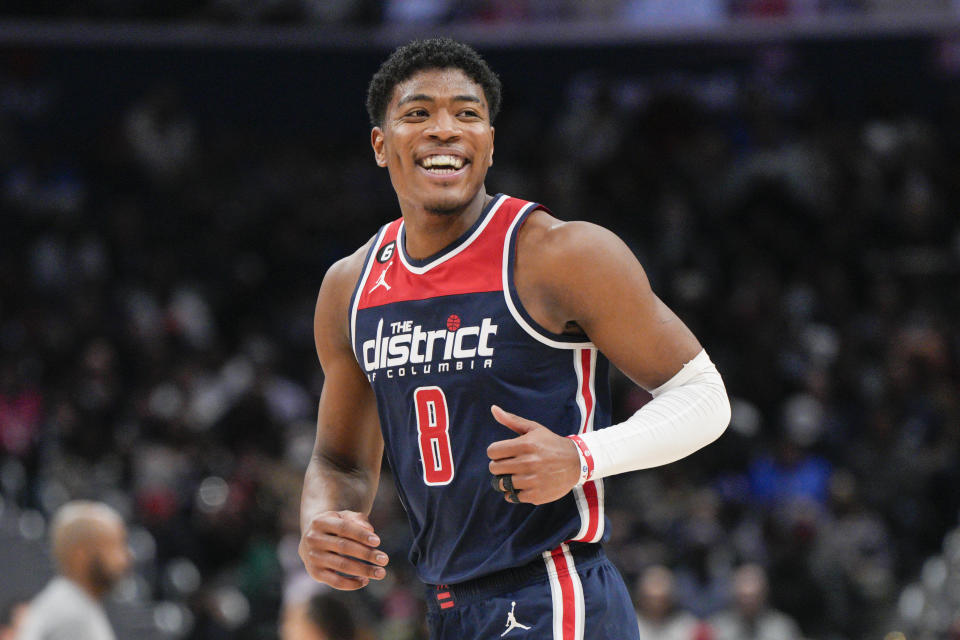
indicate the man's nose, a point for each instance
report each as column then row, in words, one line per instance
column 444, row 126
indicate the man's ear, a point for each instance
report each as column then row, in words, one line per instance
column 76, row 560
column 492, row 131
column 376, row 141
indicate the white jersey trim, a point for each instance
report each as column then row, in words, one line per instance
column 561, row 601
column 579, row 604
column 355, row 303
column 508, row 297
column 582, row 506
column 586, row 426
column 466, row 243
column 600, row 513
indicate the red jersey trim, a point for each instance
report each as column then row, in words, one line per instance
column 470, row 265
column 589, row 496
column 449, row 253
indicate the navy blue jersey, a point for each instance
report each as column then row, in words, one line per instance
column 441, row 340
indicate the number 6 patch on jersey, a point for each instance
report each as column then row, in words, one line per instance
column 433, row 425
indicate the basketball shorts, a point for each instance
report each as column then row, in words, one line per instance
column 570, row 593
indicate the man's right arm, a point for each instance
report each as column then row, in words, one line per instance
column 337, row 543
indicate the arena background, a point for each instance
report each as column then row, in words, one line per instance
column 175, row 178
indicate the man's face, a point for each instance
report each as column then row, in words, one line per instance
column 436, row 140
column 110, row 558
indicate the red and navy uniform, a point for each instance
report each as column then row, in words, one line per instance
column 441, row 340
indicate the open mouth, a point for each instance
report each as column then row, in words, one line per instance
column 442, row 165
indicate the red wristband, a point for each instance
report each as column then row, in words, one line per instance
column 586, row 459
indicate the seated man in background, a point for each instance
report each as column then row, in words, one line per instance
column 89, row 544
column 657, row 616
column 750, row 617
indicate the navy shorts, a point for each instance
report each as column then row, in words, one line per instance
column 571, row 593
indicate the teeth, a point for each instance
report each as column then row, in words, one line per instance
column 442, row 161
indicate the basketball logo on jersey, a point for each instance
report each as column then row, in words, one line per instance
column 386, row 252
column 382, row 280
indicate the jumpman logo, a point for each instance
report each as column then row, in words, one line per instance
column 512, row 621
column 382, row 280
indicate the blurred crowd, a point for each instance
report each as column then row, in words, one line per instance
column 157, row 281
column 399, row 12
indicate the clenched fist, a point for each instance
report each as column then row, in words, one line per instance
column 339, row 548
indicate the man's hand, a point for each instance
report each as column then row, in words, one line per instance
column 339, row 548
column 543, row 466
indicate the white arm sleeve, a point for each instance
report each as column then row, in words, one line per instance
column 687, row 413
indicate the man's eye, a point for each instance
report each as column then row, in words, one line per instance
column 417, row 113
column 470, row 113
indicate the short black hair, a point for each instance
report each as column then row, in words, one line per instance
column 436, row 53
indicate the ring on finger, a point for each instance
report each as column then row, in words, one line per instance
column 509, row 489
column 502, row 483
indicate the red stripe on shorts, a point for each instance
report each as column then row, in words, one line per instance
column 568, row 596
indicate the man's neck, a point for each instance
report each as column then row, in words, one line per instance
column 86, row 587
column 427, row 232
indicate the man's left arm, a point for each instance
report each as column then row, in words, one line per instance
column 581, row 273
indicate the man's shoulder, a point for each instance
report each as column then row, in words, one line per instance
column 725, row 624
column 61, row 610
column 349, row 267
column 555, row 254
column 342, row 276
column 549, row 237
column 333, row 301
column 58, row 589
column 779, row 623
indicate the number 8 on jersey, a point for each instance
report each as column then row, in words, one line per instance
column 433, row 426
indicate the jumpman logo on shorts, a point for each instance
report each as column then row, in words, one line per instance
column 512, row 621
column 382, row 280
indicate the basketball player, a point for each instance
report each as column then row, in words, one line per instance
column 470, row 339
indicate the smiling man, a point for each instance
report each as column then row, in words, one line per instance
column 470, row 339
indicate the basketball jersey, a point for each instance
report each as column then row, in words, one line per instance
column 441, row 340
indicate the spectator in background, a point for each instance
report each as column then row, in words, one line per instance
column 21, row 411
column 323, row 617
column 89, row 544
column 704, row 565
column 656, row 614
column 750, row 617
column 162, row 136
column 793, row 474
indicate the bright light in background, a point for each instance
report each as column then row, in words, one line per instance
column 173, row 618
column 212, row 494
column 182, row 577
